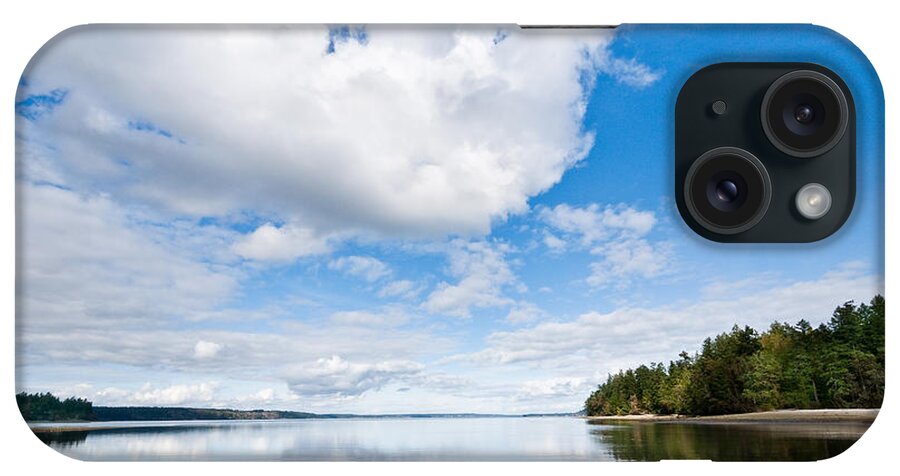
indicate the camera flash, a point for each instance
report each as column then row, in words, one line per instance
column 813, row 201
column 719, row 107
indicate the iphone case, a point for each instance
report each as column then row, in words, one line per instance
column 421, row 243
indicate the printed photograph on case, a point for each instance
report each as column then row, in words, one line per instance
column 420, row 243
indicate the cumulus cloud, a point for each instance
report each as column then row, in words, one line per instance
column 553, row 242
column 148, row 395
column 412, row 131
column 265, row 395
column 365, row 267
column 628, row 71
column 624, row 261
column 101, row 284
column 174, row 395
column 617, row 234
column 211, row 394
column 387, row 317
column 202, row 394
column 86, row 265
column 265, row 398
column 337, row 377
column 402, row 288
column 627, row 336
column 524, row 312
column 206, row 350
column 555, row 388
column 250, row 355
column 285, row 243
column 482, row 272
column 594, row 223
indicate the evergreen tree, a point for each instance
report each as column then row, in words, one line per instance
column 836, row 365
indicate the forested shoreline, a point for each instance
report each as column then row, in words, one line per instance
column 48, row 407
column 839, row 364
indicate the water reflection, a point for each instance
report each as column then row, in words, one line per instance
column 455, row 439
column 643, row 441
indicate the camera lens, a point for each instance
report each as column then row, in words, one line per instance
column 804, row 113
column 727, row 190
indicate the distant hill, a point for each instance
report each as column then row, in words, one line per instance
column 47, row 407
column 180, row 413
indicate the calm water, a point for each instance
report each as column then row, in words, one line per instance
column 550, row 438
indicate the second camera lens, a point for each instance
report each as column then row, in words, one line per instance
column 726, row 191
column 804, row 113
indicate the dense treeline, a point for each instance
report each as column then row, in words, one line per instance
column 839, row 364
column 47, row 407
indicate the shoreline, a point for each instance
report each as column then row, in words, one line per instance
column 65, row 429
column 854, row 415
column 860, row 416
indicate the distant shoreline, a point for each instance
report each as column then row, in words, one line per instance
column 855, row 415
column 86, row 425
column 861, row 416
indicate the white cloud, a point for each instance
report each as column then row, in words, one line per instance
column 365, row 267
column 482, row 273
column 553, row 242
column 174, row 395
column 630, row 71
column 265, row 394
column 203, row 394
column 421, row 131
column 555, row 388
column 179, row 394
column 100, row 285
column 592, row 223
column 340, row 378
column 732, row 286
column 89, row 265
column 250, row 355
column 402, row 288
column 596, row 342
column 442, row 382
column 285, row 243
column 206, row 350
column 626, row 260
column 263, row 399
column 616, row 234
column 388, row 317
column 524, row 312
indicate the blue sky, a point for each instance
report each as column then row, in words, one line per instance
column 390, row 220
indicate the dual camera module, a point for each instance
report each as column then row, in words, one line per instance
column 765, row 152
